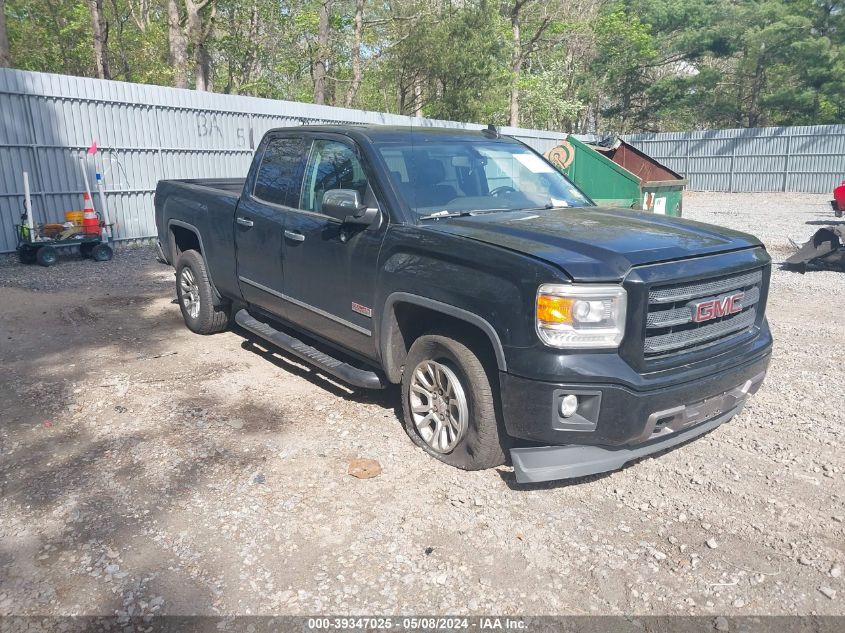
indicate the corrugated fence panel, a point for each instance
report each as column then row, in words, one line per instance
column 807, row 159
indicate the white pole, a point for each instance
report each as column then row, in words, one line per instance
column 27, row 202
column 104, row 205
column 85, row 176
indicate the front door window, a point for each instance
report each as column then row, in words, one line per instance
column 332, row 165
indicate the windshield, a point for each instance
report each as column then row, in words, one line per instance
column 467, row 175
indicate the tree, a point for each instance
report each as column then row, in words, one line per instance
column 452, row 65
column 322, row 52
column 199, row 28
column 574, row 65
column 178, row 45
column 520, row 51
column 5, row 55
column 357, row 39
column 627, row 50
column 100, row 30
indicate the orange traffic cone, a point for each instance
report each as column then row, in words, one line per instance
column 90, row 222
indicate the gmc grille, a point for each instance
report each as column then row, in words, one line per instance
column 670, row 328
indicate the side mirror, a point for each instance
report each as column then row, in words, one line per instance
column 345, row 205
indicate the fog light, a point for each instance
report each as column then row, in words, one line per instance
column 568, row 405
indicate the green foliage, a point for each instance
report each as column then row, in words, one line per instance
column 584, row 65
column 50, row 36
column 548, row 101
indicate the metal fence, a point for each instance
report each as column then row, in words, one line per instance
column 144, row 133
column 805, row 159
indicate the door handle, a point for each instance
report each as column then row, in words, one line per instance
column 295, row 236
column 244, row 221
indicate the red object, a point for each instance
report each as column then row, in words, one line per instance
column 839, row 199
column 93, row 148
column 716, row 308
column 90, row 222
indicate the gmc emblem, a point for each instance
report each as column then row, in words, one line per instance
column 714, row 308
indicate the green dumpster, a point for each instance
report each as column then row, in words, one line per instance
column 619, row 175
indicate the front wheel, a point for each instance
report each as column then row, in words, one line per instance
column 449, row 404
column 196, row 296
column 101, row 253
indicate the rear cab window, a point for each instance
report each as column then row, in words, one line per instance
column 279, row 175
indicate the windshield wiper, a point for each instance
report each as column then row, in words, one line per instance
column 460, row 214
column 446, row 214
column 547, row 206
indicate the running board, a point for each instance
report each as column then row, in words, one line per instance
column 343, row 371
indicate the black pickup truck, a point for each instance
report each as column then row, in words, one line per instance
column 517, row 316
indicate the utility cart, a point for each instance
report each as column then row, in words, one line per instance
column 39, row 244
column 44, row 250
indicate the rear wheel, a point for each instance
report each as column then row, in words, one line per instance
column 196, row 296
column 449, row 404
column 46, row 256
column 26, row 255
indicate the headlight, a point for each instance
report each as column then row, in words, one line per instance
column 581, row 317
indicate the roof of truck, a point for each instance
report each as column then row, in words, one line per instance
column 396, row 133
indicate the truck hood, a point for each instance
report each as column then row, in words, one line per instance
column 596, row 244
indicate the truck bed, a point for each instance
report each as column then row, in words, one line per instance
column 207, row 207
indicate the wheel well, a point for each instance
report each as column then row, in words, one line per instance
column 184, row 239
column 409, row 321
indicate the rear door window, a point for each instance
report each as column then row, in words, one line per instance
column 280, row 174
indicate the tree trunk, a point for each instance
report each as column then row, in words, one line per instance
column 516, row 65
column 100, row 31
column 203, row 69
column 357, row 36
column 250, row 65
column 198, row 36
column 757, row 89
column 418, row 97
column 122, row 48
column 178, row 46
column 5, row 55
column 319, row 72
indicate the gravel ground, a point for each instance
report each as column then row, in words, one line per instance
column 147, row 470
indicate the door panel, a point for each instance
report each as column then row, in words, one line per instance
column 260, row 222
column 260, row 249
column 330, row 267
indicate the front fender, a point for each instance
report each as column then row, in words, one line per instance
column 490, row 288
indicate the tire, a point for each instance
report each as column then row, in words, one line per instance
column 481, row 441
column 26, row 256
column 196, row 296
column 46, row 256
column 101, row 253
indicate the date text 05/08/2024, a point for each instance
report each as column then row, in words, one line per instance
column 418, row 623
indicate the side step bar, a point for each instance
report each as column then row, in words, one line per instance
column 343, row 371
